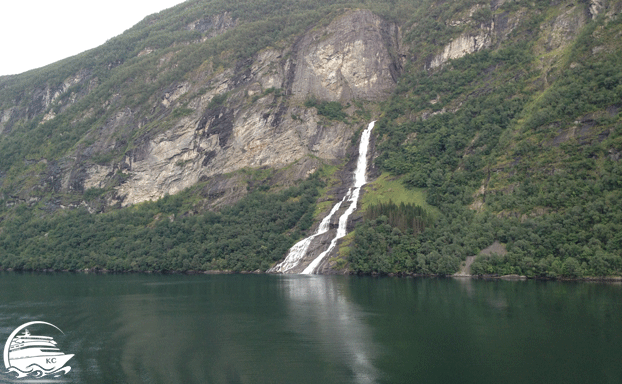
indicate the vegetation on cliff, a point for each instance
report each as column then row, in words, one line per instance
column 518, row 141
column 507, row 155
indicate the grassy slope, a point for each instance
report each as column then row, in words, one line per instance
column 387, row 188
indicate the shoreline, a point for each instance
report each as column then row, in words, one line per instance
column 604, row 279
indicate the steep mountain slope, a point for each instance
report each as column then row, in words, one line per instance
column 496, row 113
column 161, row 131
column 517, row 141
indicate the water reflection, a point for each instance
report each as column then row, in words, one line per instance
column 320, row 311
column 247, row 329
column 495, row 299
column 170, row 340
column 322, row 329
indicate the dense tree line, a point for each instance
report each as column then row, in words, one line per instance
column 436, row 160
column 408, row 218
column 581, row 236
column 161, row 236
column 382, row 248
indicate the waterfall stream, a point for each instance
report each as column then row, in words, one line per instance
column 298, row 251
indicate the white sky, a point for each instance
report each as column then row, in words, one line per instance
column 35, row 33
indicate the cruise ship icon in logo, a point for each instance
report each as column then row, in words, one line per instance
column 28, row 355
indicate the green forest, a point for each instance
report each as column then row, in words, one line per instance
column 161, row 236
column 556, row 207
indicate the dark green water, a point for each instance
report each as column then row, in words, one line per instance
column 302, row 329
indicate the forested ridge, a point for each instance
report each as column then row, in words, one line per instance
column 504, row 167
column 517, row 142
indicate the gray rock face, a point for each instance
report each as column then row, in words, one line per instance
column 43, row 96
column 596, row 7
column 564, row 28
column 215, row 24
column 351, row 58
column 257, row 127
column 463, row 45
column 480, row 36
column 251, row 115
column 5, row 117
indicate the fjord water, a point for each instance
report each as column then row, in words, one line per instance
column 321, row 329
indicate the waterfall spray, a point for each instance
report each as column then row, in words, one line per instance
column 298, row 251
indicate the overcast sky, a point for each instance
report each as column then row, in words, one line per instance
column 34, row 33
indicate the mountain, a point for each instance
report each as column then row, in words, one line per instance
column 212, row 136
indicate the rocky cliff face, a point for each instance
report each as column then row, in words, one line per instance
column 42, row 98
column 351, row 58
column 215, row 120
column 250, row 115
column 355, row 57
column 558, row 31
column 480, row 34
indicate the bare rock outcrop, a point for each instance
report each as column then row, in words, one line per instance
column 259, row 120
column 43, row 96
column 564, row 28
column 352, row 58
column 596, row 7
column 463, row 45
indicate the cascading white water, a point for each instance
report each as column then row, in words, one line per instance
column 352, row 196
column 298, row 251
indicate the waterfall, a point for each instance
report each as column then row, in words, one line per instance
column 298, row 251
column 352, row 196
